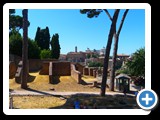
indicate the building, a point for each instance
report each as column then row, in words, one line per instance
column 76, row 56
column 62, row 57
column 122, row 57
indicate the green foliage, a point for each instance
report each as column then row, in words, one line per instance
column 15, row 21
column 88, row 56
column 55, row 46
column 91, row 12
column 15, row 44
column 43, row 38
column 45, row 54
column 95, row 64
column 95, row 55
column 137, row 63
column 33, row 50
column 125, row 71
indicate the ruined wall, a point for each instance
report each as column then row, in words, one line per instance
column 85, row 71
column 12, row 69
column 35, row 64
column 79, row 68
column 58, row 68
column 45, row 68
column 61, row 68
column 75, row 74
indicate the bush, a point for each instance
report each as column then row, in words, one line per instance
column 125, row 71
column 45, row 54
column 15, row 44
column 95, row 64
column 33, row 50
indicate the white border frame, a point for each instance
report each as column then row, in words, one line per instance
column 8, row 6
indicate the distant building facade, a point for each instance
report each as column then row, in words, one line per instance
column 76, row 56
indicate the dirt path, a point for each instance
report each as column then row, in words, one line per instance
column 26, row 92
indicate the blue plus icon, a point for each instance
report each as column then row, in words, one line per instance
column 147, row 99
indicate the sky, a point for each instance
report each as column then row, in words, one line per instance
column 75, row 29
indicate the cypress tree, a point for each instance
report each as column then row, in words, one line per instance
column 43, row 38
column 55, row 52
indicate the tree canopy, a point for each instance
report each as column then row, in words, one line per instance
column 15, row 46
column 43, row 38
column 15, row 21
column 136, row 65
column 55, row 51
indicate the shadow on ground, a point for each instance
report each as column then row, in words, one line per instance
column 92, row 101
column 55, row 80
column 44, row 93
column 31, row 78
column 83, row 82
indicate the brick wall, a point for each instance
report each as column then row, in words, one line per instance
column 12, row 69
column 35, row 64
column 45, row 68
column 61, row 68
column 79, row 68
column 58, row 68
column 85, row 71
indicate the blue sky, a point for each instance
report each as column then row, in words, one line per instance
column 76, row 29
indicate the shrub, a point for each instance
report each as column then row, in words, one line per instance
column 95, row 64
column 45, row 54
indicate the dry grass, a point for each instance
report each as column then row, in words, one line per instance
column 62, row 84
column 88, row 78
column 51, row 102
column 36, row 102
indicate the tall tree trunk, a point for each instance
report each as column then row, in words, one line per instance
column 108, row 47
column 112, row 76
column 116, row 38
column 25, row 50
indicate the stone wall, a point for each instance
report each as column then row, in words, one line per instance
column 16, row 59
column 75, row 74
column 18, row 74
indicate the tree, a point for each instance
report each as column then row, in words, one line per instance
column 33, row 50
column 47, row 38
column 25, row 50
column 15, row 47
column 116, row 39
column 15, row 21
column 37, row 37
column 136, row 65
column 43, row 38
column 15, row 43
column 94, row 13
column 55, row 47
